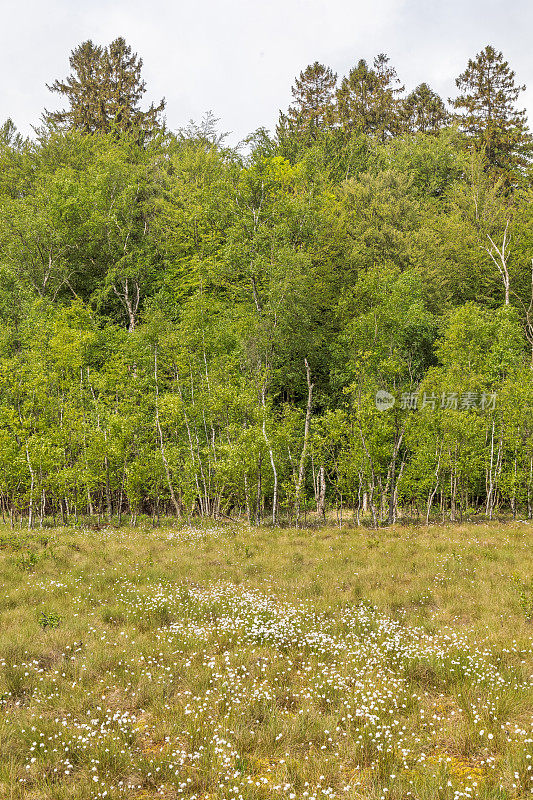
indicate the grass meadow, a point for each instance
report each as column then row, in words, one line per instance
column 226, row 662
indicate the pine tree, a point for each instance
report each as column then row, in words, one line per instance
column 104, row 90
column 313, row 103
column 368, row 98
column 487, row 111
column 423, row 111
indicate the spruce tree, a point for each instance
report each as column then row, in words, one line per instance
column 103, row 91
column 313, row 103
column 367, row 98
column 487, row 113
column 423, row 111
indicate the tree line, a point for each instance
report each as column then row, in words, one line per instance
column 336, row 316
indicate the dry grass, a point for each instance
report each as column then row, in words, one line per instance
column 227, row 662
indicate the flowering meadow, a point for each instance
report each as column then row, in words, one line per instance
column 229, row 663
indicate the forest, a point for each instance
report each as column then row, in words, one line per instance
column 334, row 318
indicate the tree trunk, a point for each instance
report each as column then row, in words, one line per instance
column 259, row 490
column 247, row 499
column 130, row 303
column 321, row 503
column 435, row 488
column 191, row 448
column 301, row 472
column 529, row 318
column 395, row 493
column 161, row 445
column 530, row 491
column 32, row 484
column 392, row 472
column 43, row 506
column 108, row 489
column 499, row 257
column 272, row 462
column 490, row 478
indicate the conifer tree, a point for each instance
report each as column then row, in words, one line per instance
column 368, row 98
column 313, row 102
column 104, row 90
column 423, row 111
column 486, row 110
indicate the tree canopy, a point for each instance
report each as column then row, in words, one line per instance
column 103, row 92
column 336, row 316
column 486, row 110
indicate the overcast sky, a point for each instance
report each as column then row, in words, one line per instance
column 238, row 58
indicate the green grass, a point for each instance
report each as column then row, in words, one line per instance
column 227, row 662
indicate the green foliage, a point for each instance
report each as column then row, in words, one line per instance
column 423, row 110
column 313, row 104
column 104, row 91
column 49, row 619
column 367, row 98
column 27, row 561
column 488, row 113
column 161, row 294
